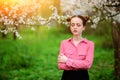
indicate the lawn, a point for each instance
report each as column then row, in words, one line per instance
column 34, row 57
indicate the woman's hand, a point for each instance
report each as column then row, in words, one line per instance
column 62, row 58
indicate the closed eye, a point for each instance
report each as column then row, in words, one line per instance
column 78, row 25
column 72, row 24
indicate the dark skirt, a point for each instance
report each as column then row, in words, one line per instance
column 75, row 75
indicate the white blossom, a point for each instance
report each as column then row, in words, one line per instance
column 18, row 35
column 117, row 18
column 17, row 14
column 33, row 29
column 94, row 26
column 96, row 20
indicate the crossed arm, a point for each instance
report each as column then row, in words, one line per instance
column 65, row 63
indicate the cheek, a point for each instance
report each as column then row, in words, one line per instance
column 71, row 28
column 81, row 30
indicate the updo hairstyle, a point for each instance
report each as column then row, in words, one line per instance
column 83, row 18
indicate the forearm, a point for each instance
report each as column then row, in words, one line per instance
column 79, row 64
column 63, row 66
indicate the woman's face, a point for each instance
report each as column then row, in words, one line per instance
column 76, row 26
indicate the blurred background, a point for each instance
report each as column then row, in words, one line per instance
column 34, row 57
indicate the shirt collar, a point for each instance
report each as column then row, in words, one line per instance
column 84, row 40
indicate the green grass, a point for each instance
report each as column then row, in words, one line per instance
column 35, row 56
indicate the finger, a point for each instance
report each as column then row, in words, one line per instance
column 59, row 59
column 59, row 56
column 62, row 54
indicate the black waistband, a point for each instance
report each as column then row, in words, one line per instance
column 75, row 75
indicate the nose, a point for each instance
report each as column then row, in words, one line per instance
column 75, row 26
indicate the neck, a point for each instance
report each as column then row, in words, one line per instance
column 77, row 38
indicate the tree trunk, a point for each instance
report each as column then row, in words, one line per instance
column 3, row 34
column 14, row 34
column 116, row 43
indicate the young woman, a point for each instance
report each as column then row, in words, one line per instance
column 76, row 53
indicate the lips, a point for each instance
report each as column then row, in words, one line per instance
column 74, row 30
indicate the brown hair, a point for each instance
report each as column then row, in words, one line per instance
column 84, row 18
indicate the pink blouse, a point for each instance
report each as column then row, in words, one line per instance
column 79, row 57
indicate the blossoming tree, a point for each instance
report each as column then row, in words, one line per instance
column 14, row 13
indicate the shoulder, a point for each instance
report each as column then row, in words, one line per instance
column 89, row 42
column 66, row 40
